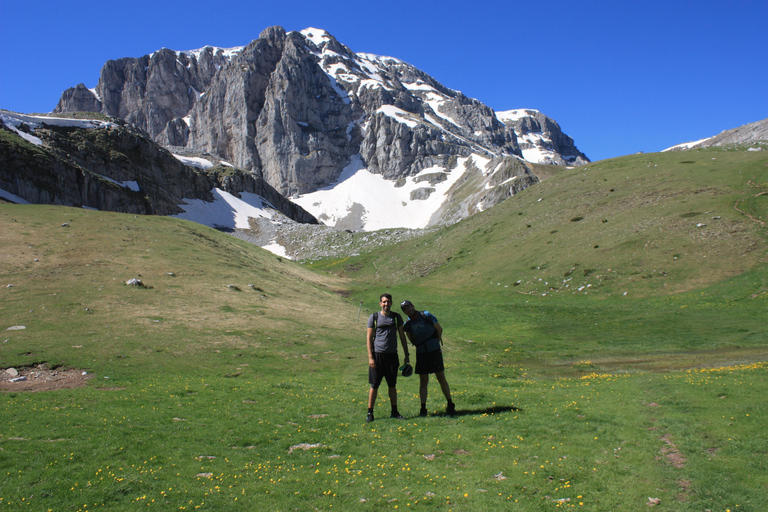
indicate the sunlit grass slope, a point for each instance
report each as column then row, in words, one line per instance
column 205, row 293
column 638, row 261
column 646, row 224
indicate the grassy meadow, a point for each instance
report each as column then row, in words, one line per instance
column 617, row 362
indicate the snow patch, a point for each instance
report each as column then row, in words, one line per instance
column 515, row 115
column 227, row 52
column 687, row 145
column 13, row 120
column 277, row 249
column 225, row 211
column 399, row 115
column 316, row 35
column 341, row 92
column 379, row 202
column 192, row 161
column 435, row 101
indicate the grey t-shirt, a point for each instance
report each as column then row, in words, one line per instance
column 385, row 338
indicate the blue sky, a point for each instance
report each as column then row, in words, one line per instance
column 619, row 77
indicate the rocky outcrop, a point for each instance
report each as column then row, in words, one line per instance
column 41, row 177
column 115, row 167
column 295, row 108
column 745, row 134
column 480, row 188
column 78, row 99
column 149, row 91
column 540, row 138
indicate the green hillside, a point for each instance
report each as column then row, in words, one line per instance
column 646, row 224
column 641, row 256
column 237, row 380
column 204, row 292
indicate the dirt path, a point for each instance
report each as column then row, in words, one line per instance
column 41, row 378
column 736, row 205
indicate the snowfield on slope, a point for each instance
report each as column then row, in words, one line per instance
column 377, row 203
column 226, row 211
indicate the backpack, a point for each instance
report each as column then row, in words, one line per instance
column 376, row 320
column 425, row 317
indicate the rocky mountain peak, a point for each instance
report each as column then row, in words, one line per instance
column 273, row 34
column 298, row 108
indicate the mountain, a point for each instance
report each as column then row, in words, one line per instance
column 746, row 134
column 108, row 164
column 306, row 113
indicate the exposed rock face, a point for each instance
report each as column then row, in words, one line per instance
column 116, row 167
column 78, row 99
column 148, row 91
column 541, row 139
column 743, row 134
column 480, row 188
column 295, row 108
column 746, row 134
column 273, row 111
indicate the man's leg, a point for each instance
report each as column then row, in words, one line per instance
column 451, row 408
column 393, row 398
column 423, row 387
column 444, row 385
column 372, row 394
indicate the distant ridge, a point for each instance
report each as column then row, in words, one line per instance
column 752, row 132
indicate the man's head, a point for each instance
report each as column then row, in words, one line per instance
column 407, row 307
column 385, row 301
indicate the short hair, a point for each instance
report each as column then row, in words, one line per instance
column 387, row 295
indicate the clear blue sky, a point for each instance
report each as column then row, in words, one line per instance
column 619, row 76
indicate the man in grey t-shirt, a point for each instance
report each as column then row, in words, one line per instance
column 383, row 362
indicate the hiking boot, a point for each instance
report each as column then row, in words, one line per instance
column 396, row 416
column 451, row 409
column 369, row 418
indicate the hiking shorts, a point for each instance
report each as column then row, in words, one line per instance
column 429, row 362
column 386, row 368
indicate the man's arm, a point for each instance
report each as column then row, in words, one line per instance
column 439, row 330
column 369, row 344
column 404, row 343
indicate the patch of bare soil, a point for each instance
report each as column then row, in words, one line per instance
column 671, row 453
column 41, row 378
column 684, row 487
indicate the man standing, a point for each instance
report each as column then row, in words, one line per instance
column 383, row 362
column 426, row 334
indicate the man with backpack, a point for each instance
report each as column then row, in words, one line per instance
column 383, row 329
column 426, row 334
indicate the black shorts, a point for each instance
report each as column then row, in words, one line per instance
column 429, row 362
column 387, row 365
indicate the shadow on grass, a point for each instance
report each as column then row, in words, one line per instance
column 480, row 411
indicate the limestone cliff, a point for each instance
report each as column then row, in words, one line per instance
column 295, row 108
